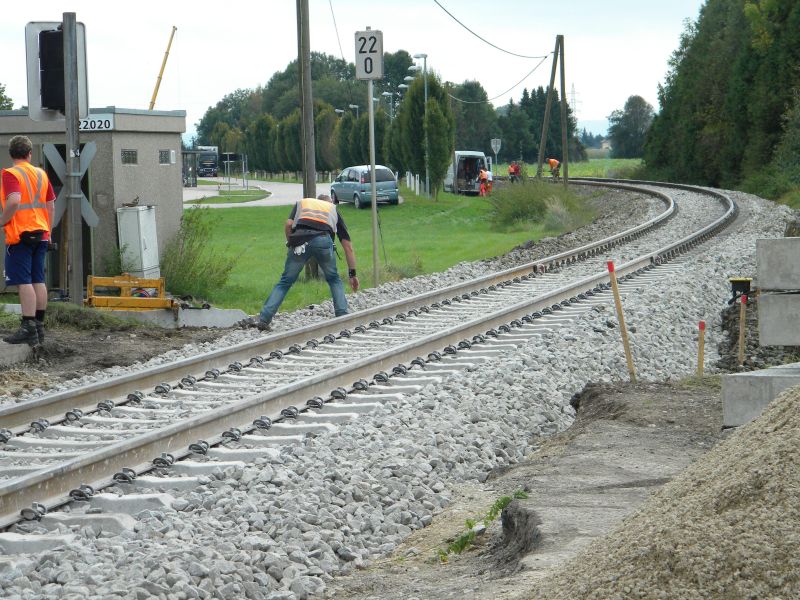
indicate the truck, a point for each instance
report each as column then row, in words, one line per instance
column 462, row 174
column 207, row 161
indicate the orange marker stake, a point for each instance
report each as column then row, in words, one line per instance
column 701, row 348
column 742, row 318
column 621, row 319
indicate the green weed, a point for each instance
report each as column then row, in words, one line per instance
column 190, row 265
column 467, row 539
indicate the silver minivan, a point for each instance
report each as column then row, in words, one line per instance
column 354, row 184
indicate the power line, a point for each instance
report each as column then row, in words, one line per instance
column 539, row 64
column 336, row 29
column 452, row 16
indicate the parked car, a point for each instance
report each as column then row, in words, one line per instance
column 354, row 185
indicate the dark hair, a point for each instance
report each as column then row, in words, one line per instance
column 19, row 147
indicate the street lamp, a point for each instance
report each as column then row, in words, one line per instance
column 354, row 106
column 408, row 78
column 339, row 111
column 390, row 96
column 402, row 87
column 424, row 58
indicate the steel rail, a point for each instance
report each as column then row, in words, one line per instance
column 52, row 407
column 50, row 485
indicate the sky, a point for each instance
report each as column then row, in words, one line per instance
column 613, row 49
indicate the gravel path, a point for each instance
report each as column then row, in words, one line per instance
column 282, row 528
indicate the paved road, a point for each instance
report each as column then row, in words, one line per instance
column 281, row 194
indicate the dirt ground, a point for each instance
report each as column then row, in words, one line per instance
column 69, row 353
column 627, row 441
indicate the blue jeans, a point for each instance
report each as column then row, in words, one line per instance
column 320, row 248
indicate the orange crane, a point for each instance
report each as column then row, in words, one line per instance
column 163, row 65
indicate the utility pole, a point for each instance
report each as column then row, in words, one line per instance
column 558, row 51
column 306, row 103
column 564, row 147
column 548, row 104
column 73, row 152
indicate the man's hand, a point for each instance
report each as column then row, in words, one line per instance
column 354, row 284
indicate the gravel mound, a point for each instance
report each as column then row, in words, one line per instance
column 725, row 528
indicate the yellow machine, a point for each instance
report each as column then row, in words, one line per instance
column 135, row 293
column 163, row 64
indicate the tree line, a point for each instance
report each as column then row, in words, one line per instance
column 730, row 104
column 264, row 122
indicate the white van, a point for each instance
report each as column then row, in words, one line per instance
column 463, row 179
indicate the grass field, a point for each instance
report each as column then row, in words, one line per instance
column 418, row 236
column 231, row 197
column 613, row 168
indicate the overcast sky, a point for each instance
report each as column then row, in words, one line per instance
column 614, row 49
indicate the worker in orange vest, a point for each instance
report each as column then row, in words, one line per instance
column 554, row 167
column 483, row 177
column 28, row 202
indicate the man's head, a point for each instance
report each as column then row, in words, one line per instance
column 20, row 147
column 324, row 197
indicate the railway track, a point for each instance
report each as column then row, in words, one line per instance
column 248, row 400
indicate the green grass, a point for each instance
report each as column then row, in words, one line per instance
column 419, row 236
column 613, row 168
column 231, row 197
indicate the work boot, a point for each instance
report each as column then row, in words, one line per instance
column 26, row 334
column 255, row 323
column 40, row 331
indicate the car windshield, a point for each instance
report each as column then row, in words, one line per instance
column 382, row 175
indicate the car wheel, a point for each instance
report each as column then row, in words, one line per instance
column 334, row 198
column 357, row 201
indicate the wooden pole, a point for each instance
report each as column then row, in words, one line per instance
column 564, row 143
column 548, row 104
column 621, row 318
column 701, row 348
column 742, row 323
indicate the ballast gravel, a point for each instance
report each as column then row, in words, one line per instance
column 284, row 526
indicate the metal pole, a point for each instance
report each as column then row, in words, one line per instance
column 564, row 146
column 425, row 113
column 306, row 105
column 373, row 185
column 73, row 152
column 548, row 104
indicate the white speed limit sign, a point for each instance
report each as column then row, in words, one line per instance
column 369, row 54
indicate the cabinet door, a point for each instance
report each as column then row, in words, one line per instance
column 149, row 240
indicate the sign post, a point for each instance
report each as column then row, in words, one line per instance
column 495, row 149
column 369, row 67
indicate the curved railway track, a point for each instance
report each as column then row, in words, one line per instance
column 274, row 390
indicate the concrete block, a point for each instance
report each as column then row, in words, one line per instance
column 113, row 523
column 132, row 503
column 12, row 354
column 18, row 543
column 210, row 317
column 777, row 264
column 745, row 395
column 778, row 324
column 194, row 468
column 152, row 482
column 248, row 455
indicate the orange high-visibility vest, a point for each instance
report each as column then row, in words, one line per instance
column 552, row 162
column 31, row 213
column 321, row 211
